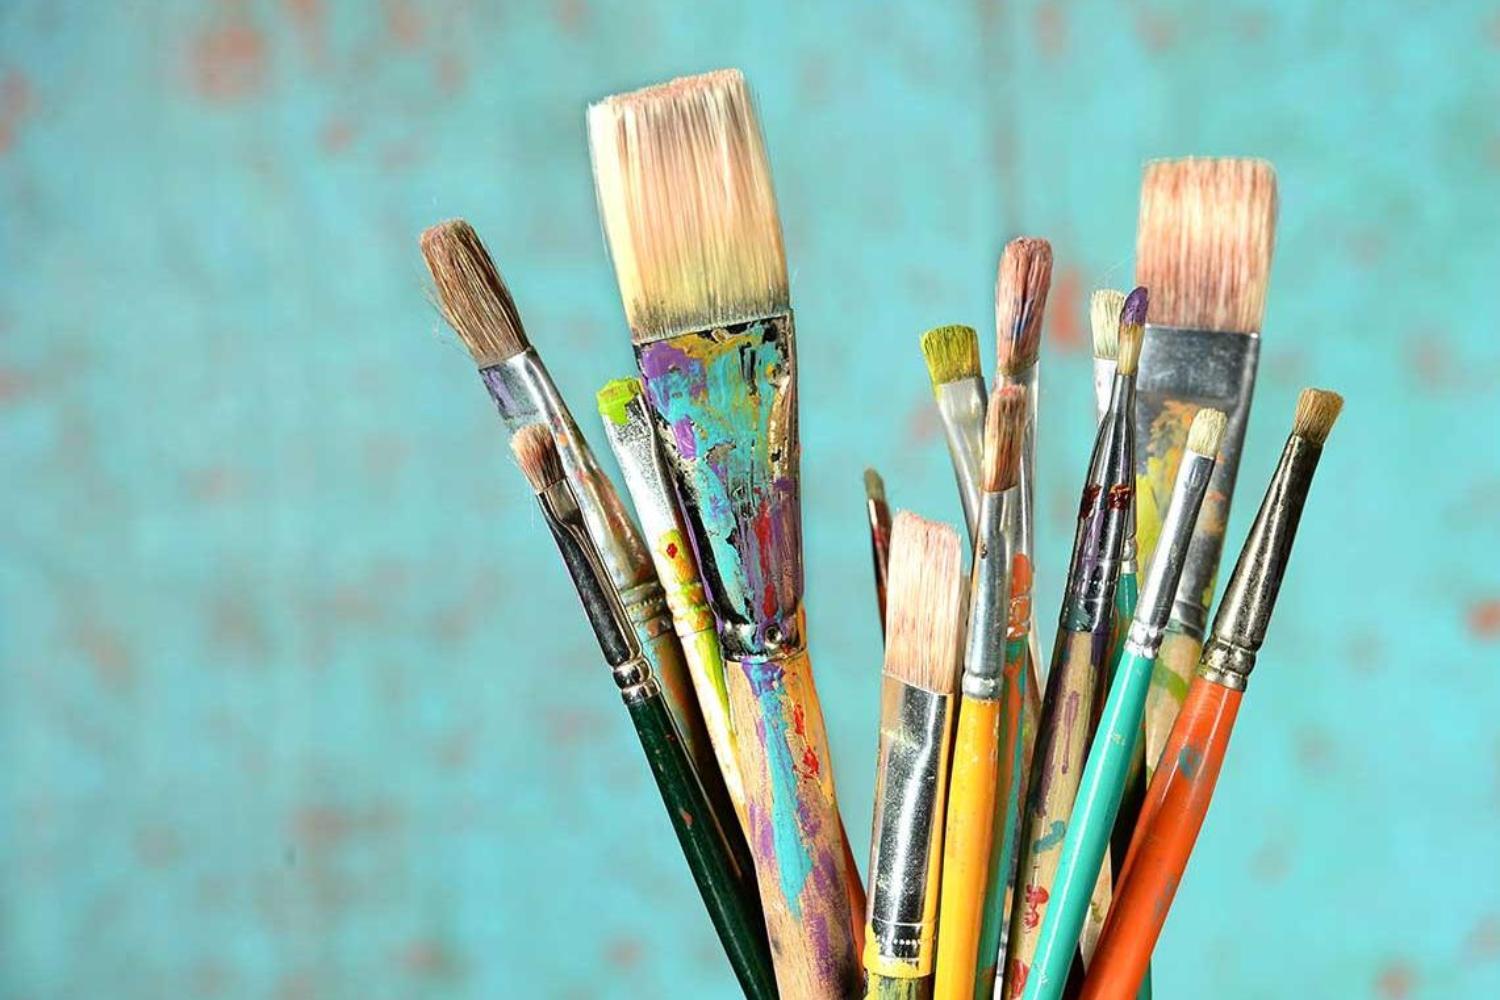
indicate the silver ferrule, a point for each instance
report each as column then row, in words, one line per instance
column 1105, row 508
column 636, row 681
column 602, row 603
column 961, row 406
column 1104, row 381
column 1184, row 368
column 910, row 789
column 989, row 600
column 1154, row 605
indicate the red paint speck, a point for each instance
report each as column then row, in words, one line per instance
column 810, row 765
column 229, row 62
column 671, row 550
column 687, row 818
column 799, row 721
column 1065, row 326
column 1484, row 619
column 1396, row 981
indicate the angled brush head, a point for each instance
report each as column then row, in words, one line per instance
column 925, row 604
column 952, row 353
column 1021, row 284
column 689, row 213
column 1206, row 431
column 1317, row 409
column 1004, row 430
column 1132, row 331
column 1204, row 241
column 536, row 454
column 472, row 294
column 1104, row 318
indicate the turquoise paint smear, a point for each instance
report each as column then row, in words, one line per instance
column 1053, row 836
column 794, row 862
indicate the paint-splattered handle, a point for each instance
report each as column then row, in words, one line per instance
column 724, row 887
column 1175, row 664
column 1176, row 804
column 796, row 836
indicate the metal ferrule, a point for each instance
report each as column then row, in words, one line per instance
column 910, row 789
column 1181, row 368
column 1244, row 613
column 989, row 601
column 1104, row 382
column 961, row 406
column 1154, row 605
column 601, row 602
column 1102, row 516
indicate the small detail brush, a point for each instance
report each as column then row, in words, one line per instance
column 952, row 355
column 880, row 535
column 923, row 638
column 1178, row 797
column 702, row 839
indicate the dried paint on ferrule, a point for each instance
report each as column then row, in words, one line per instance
column 989, row 601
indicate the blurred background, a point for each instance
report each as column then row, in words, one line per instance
column 295, row 699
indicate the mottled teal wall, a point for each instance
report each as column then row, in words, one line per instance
column 294, row 700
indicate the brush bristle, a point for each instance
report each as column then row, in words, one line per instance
column 1317, row 409
column 1004, row 428
column 874, row 486
column 925, row 605
column 1204, row 242
column 952, row 353
column 536, row 454
column 689, row 213
column 1132, row 331
column 1104, row 317
column 1206, row 431
column 472, row 294
column 1021, row 284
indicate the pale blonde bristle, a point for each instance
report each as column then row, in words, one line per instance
column 536, row 454
column 1004, row 429
column 1206, row 431
column 472, row 294
column 1129, row 353
column 952, row 353
column 1204, row 241
column 1317, row 409
column 689, row 213
column 924, row 604
column 1021, row 285
column 1104, row 317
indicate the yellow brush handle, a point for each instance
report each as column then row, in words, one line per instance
column 796, row 835
column 966, row 846
column 1169, row 686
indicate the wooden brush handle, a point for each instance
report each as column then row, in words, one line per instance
column 1176, row 804
column 796, row 835
column 724, row 887
column 966, row 846
column 1170, row 679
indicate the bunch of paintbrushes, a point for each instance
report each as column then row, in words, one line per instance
column 1016, row 848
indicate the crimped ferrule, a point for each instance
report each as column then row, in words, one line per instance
column 1154, row 606
column 989, row 599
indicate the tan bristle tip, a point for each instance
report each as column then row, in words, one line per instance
column 1206, row 431
column 1004, row 428
column 536, row 454
column 874, row 486
column 689, row 213
column 1129, row 348
column 1104, row 318
column 1021, row 285
column 924, row 604
column 952, row 353
column 1317, row 409
column 472, row 294
column 1204, row 241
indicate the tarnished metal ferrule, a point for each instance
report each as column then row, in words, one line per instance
column 1103, row 512
column 1104, row 381
column 989, row 601
column 1154, row 605
column 1250, row 597
column 1185, row 367
column 961, row 406
column 911, row 779
column 601, row 601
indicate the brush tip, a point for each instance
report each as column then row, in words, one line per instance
column 1004, row 428
column 924, row 604
column 1317, row 410
column 1134, row 309
column 1132, row 331
column 471, row 293
column 874, row 486
column 1104, row 320
column 952, row 353
column 1021, row 285
column 1206, row 431
column 614, row 396
column 536, row 454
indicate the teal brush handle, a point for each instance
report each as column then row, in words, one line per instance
column 726, row 888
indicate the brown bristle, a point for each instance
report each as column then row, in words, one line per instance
column 472, row 295
column 1004, row 429
column 1021, row 284
column 1204, row 241
column 874, row 486
column 1317, row 409
column 924, row 604
column 536, row 454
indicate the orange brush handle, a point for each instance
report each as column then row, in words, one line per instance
column 1176, row 803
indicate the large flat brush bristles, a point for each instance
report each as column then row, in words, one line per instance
column 536, row 454
column 1004, row 430
column 1317, row 409
column 1204, row 241
column 1021, row 285
column 925, row 601
column 689, row 213
column 472, row 294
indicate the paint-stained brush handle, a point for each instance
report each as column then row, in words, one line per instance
column 966, row 845
column 1169, row 686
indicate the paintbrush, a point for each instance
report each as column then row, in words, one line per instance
column 690, row 217
column 923, row 639
column 952, row 355
column 1104, row 324
column 1203, row 246
column 1178, row 798
column 632, row 437
column 1079, row 655
column 879, row 513
column 984, row 792
column 1111, row 756
column 703, row 841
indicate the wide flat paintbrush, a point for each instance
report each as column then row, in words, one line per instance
column 703, row 840
column 879, row 514
column 1179, row 795
column 923, row 639
column 690, row 216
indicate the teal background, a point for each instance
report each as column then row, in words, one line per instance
column 294, row 698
